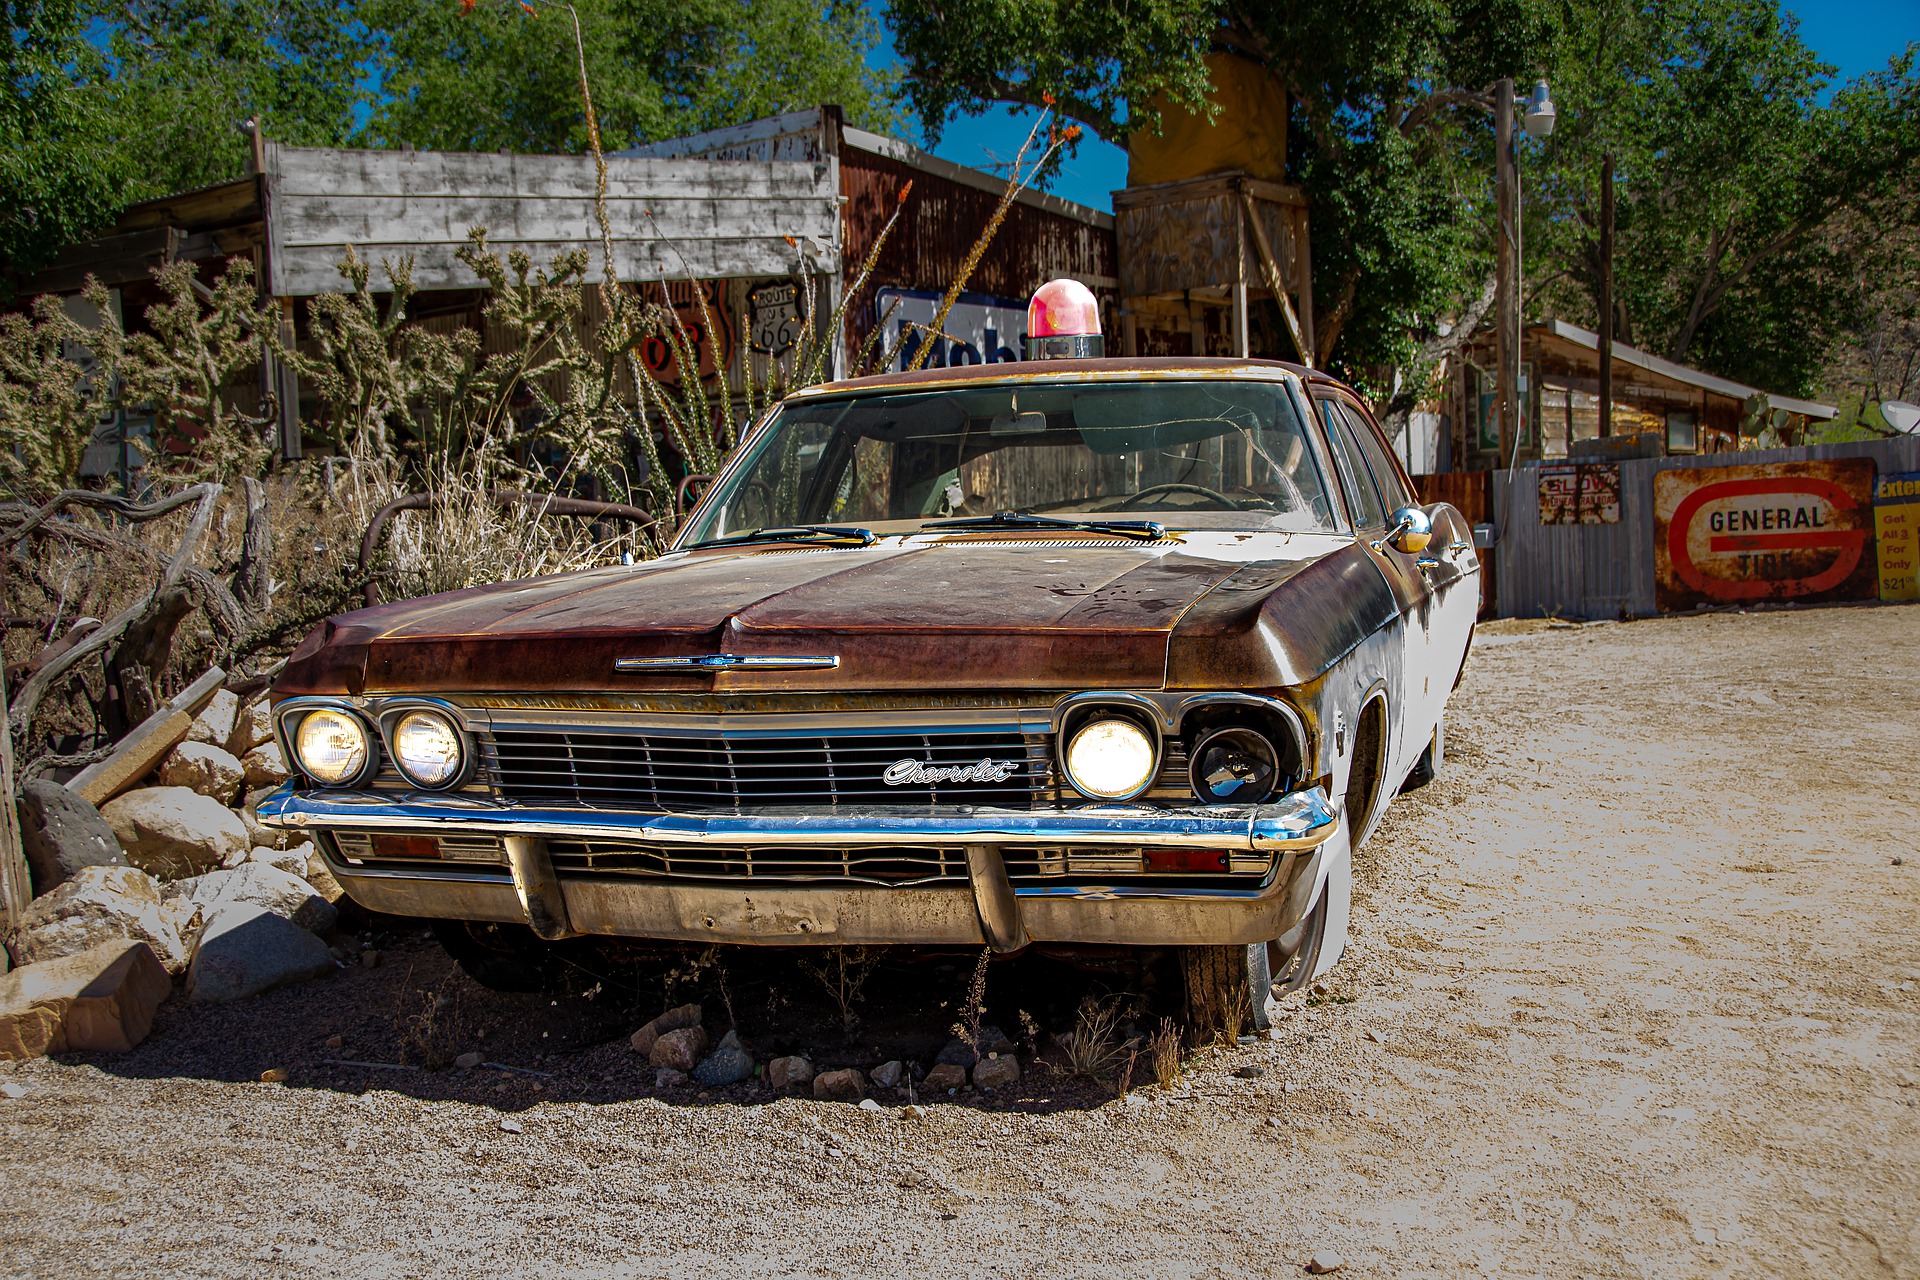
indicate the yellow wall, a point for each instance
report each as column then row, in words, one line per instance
column 1249, row 133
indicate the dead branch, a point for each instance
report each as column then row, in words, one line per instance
column 20, row 714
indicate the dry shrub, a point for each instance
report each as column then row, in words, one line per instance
column 842, row 973
column 1092, row 1049
column 1163, row 1052
column 432, row 1031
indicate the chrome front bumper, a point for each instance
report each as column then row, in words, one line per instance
column 1302, row 830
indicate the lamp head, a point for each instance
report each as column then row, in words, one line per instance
column 1538, row 114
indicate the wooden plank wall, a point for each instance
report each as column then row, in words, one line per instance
column 1470, row 493
column 671, row 218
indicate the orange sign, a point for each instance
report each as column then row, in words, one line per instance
column 714, row 346
column 1797, row 531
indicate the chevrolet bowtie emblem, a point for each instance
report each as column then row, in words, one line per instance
column 701, row 664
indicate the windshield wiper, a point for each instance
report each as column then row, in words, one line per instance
column 1145, row 530
column 793, row 533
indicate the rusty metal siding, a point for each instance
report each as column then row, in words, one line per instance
column 1605, row 570
column 942, row 221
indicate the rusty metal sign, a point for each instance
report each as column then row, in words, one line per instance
column 1896, row 516
column 1798, row 531
column 1580, row 493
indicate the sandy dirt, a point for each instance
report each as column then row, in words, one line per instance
column 1634, row 991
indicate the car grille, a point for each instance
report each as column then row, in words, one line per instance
column 654, row 770
column 889, row 865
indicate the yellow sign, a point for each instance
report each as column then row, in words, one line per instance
column 1896, row 518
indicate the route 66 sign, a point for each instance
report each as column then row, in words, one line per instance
column 774, row 314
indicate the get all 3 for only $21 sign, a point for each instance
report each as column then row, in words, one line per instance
column 1778, row 531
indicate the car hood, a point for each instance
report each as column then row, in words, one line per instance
column 904, row 614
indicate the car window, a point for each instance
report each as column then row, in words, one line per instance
column 1355, row 478
column 1204, row 454
column 1393, row 491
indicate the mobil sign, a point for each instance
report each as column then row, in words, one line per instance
column 1777, row 531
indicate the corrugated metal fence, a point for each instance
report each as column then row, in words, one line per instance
column 1603, row 570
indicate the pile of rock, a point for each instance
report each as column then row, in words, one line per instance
column 676, row 1046
column 179, row 871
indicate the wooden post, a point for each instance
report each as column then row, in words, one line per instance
column 1242, row 341
column 1606, row 296
column 16, row 887
column 1303, row 276
column 1506, row 283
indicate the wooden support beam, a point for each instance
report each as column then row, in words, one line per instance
column 1271, row 270
column 136, row 754
column 16, row 885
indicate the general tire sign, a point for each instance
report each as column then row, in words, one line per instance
column 1800, row 531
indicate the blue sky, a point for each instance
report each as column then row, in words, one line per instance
column 1857, row 36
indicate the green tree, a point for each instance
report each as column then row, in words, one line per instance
column 1389, row 134
column 1736, row 184
column 497, row 74
column 61, row 173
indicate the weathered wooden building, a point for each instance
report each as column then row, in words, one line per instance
column 1660, row 407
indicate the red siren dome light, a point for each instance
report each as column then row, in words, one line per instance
column 1063, row 322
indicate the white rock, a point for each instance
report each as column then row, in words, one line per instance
column 319, row 877
column 172, row 831
column 291, row 861
column 210, row 770
column 99, row 905
column 253, row 726
column 264, row 885
column 247, row 949
column 100, row 999
column 262, row 835
column 265, row 766
column 214, row 724
column 1325, row 1261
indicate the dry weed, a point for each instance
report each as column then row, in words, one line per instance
column 1163, row 1051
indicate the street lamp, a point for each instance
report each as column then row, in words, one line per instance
column 1537, row 118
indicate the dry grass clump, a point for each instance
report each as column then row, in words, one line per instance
column 1163, row 1054
column 1093, row 1049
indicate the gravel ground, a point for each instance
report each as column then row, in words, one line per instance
column 1633, row 992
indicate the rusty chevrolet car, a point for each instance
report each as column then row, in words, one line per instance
column 1074, row 653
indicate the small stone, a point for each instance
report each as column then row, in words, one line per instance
column 214, row 724
column 1324, row 1261
column 945, row 1077
column 789, row 1073
column 679, row 1049
column 996, row 1072
column 273, row 1075
column 668, row 1078
column 839, row 1086
column 370, row 958
column 200, row 766
column 13, row 1089
column 888, row 1074
column 469, row 1060
column 510, row 1125
column 247, row 949
column 868, row 1104
column 678, row 1019
column 1375, row 1036
column 174, row 831
column 912, row 1112
column 1899, row 862
column 265, row 766
column 335, row 1041
column 1250, row 1072
column 61, row 834
column 730, row 1063
column 101, row 999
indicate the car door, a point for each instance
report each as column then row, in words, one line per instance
column 1373, row 503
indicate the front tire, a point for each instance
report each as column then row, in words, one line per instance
column 502, row 957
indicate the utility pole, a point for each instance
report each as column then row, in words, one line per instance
column 1506, row 346
column 1606, row 295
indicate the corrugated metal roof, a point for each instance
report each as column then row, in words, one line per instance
column 1681, row 373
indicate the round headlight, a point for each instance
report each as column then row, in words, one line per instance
column 1110, row 759
column 333, row 746
column 1234, row 766
column 427, row 748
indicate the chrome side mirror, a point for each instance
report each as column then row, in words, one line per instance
column 1408, row 531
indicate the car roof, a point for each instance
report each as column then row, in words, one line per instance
column 1117, row 370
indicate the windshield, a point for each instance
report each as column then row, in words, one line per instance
column 1200, row 455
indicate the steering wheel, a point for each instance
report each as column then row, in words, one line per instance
column 1176, row 487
